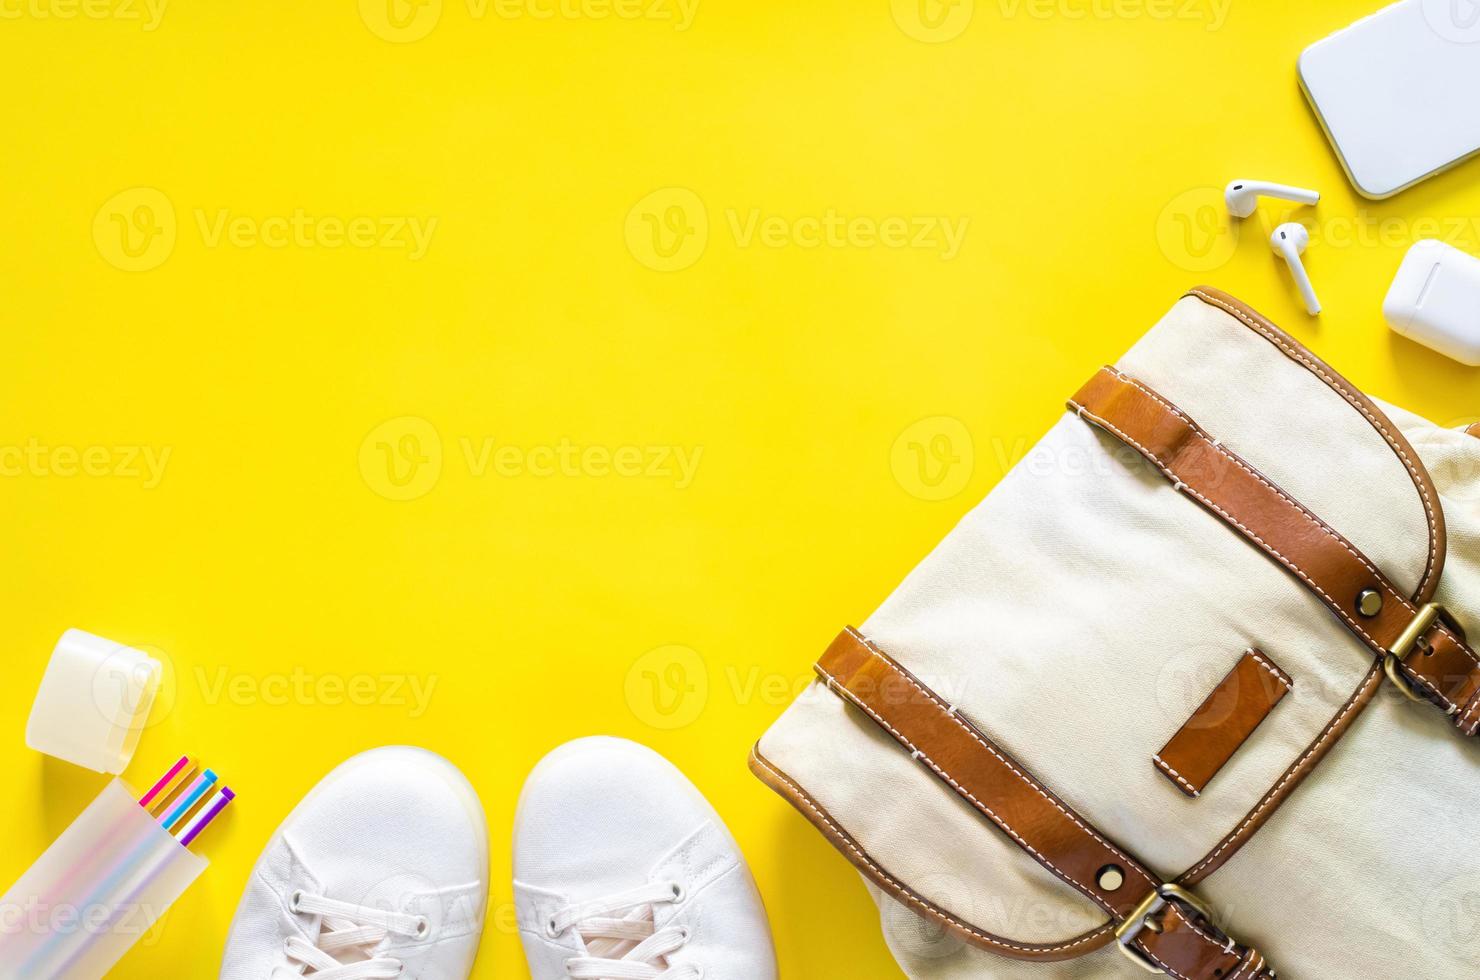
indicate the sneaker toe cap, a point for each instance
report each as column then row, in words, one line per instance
column 598, row 814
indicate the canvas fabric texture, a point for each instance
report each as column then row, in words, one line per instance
column 1083, row 611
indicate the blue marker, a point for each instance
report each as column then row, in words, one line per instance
column 199, row 788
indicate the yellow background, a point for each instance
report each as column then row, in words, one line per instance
column 1083, row 146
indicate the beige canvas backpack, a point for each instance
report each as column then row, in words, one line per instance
column 1188, row 692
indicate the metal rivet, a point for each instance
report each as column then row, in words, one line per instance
column 1369, row 603
column 1111, row 877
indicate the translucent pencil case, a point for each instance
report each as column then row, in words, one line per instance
column 96, row 892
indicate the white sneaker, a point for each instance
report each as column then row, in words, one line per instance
column 623, row 871
column 381, row 871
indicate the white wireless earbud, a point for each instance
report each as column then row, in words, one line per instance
column 1290, row 240
column 1243, row 195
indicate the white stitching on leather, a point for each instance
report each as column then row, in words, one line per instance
column 1165, row 767
column 1242, row 464
column 1469, row 708
column 1167, row 471
column 1274, row 671
column 1165, row 969
column 876, row 654
column 1244, row 964
column 1030, row 782
column 1339, row 609
column 1473, row 709
column 1330, row 531
column 905, row 892
column 1189, row 923
column 1415, row 471
column 853, row 699
column 1295, row 770
column 834, row 685
column 1335, row 383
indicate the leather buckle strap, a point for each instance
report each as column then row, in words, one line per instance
column 1392, row 664
column 1164, row 927
column 1418, row 645
column 1140, row 918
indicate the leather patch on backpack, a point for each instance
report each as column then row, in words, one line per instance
column 1223, row 723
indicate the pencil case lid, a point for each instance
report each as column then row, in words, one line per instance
column 93, row 702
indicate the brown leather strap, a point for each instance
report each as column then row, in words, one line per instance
column 1180, row 940
column 901, row 891
column 1474, row 430
column 1382, row 426
column 1441, row 663
column 1223, row 722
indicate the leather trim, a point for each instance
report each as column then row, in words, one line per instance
column 788, row 789
column 1200, row 467
column 1300, row 354
column 1289, row 782
column 940, row 739
column 1372, row 683
column 984, row 775
column 1257, row 817
column 1186, row 951
column 1252, row 966
column 1225, row 720
column 1474, row 430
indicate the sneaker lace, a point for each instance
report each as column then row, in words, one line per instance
column 622, row 939
column 347, row 936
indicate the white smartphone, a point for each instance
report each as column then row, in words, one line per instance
column 1399, row 92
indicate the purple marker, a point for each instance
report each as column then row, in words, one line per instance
column 207, row 813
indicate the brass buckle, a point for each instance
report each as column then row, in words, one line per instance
column 1392, row 663
column 1127, row 931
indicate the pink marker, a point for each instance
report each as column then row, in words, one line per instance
column 164, row 782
